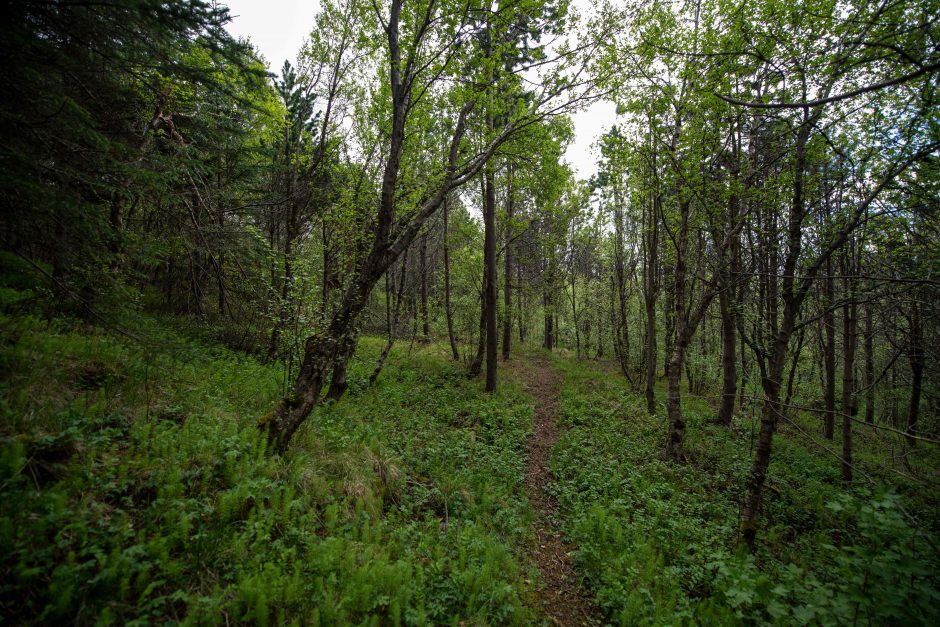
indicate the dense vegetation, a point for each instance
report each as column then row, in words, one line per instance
column 267, row 340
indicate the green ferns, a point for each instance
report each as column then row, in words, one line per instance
column 145, row 494
column 656, row 540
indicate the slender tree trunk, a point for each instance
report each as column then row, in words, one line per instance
column 829, row 323
column 917, row 360
column 729, row 370
column 477, row 364
column 574, row 315
column 687, row 321
column 728, row 302
column 284, row 306
column 520, row 297
column 621, row 330
column 849, row 316
column 651, row 289
column 794, row 368
column 772, row 371
column 393, row 324
column 676, row 439
column 388, row 306
column 549, row 333
column 507, row 272
column 651, row 279
column 669, row 314
column 423, row 250
column 869, row 366
column 489, row 254
column 742, row 387
column 448, row 312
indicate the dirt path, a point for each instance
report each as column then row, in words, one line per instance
column 562, row 601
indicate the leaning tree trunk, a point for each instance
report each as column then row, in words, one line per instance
column 332, row 348
column 321, row 353
column 770, row 413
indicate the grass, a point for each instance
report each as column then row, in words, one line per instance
column 136, row 489
column 657, row 540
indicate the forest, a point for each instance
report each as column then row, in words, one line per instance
column 352, row 341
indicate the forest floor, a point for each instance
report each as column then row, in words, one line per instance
column 134, row 487
column 560, row 595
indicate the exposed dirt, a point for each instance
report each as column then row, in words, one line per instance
column 562, row 600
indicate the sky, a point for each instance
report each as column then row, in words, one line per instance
column 278, row 29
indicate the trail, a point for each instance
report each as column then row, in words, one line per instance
column 561, row 599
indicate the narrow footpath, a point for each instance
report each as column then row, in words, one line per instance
column 562, row 600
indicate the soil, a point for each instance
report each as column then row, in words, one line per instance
column 562, row 600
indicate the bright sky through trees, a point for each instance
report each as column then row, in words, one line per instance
column 278, row 29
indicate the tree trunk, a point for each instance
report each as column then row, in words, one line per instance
column 393, row 323
column 916, row 357
column 423, row 251
column 448, row 313
column 849, row 316
column 729, row 370
column 489, row 260
column 679, row 314
column 477, row 364
column 507, row 272
column 651, row 279
column 274, row 347
column 574, row 314
column 869, row 366
column 320, row 354
column 520, row 297
column 621, row 330
column 794, row 369
column 772, row 371
column 549, row 341
column 669, row 314
column 829, row 323
column 336, row 344
column 676, row 438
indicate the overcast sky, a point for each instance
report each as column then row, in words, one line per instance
column 278, row 29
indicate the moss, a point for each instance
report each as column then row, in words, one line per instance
column 265, row 420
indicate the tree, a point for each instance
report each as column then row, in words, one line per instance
column 422, row 48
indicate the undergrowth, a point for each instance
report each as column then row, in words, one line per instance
column 657, row 540
column 135, row 489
